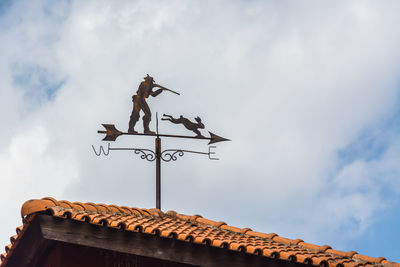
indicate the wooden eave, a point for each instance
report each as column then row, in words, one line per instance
column 44, row 233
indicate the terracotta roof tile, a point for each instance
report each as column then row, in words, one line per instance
column 193, row 229
column 368, row 259
column 390, row 263
column 8, row 248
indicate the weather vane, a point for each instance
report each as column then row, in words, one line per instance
column 139, row 104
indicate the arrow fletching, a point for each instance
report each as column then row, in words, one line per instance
column 111, row 132
column 215, row 138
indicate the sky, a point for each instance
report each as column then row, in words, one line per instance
column 308, row 91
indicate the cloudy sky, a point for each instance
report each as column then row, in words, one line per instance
column 308, row 91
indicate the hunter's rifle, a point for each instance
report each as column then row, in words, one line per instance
column 162, row 87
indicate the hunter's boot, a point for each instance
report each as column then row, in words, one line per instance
column 146, row 127
column 131, row 128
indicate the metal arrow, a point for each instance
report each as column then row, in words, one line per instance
column 112, row 133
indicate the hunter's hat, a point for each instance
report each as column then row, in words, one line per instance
column 147, row 78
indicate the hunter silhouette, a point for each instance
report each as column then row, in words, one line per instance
column 139, row 103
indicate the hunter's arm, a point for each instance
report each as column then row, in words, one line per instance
column 156, row 92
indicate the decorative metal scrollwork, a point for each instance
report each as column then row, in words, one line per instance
column 170, row 154
column 146, row 154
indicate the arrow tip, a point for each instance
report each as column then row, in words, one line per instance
column 215, row 138
column 111, row 132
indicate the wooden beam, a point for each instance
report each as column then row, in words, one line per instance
column 29, row 248
column 90, row 235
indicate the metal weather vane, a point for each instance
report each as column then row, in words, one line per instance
column 139, row 104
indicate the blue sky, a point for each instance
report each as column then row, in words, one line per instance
column 373, row 141
column 370, row 146
column 5, row 5
column 309, row 94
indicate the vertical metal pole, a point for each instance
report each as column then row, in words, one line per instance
column 158, row 173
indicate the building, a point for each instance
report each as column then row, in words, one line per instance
column 61, row 233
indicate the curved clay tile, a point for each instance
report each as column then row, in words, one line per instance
column 296, row 241
column 271, row 235
column 209, row 222
column 199, row 239
column 237, row 246
column 308, row 245
column 156, row 212
column 104, row 207
column 66, row 204
column 19, row 229
column 258, row 250
column 98, row 219
column 149, row 229
column 304, row 258
column 257, row 234
column 136, row 211
column 365, row 258
column 78, row 206
column 324, row 248
column 66, row 214
column 282, row 240
column 288, row 255
column 321, row 260
column 90, row 206
column 273, row 253
column 126, row 210
column 145, row 211
column 33, row 206
column 231, row 228
column 115, row 222
column 61, row 213
column 389, row 263
column 220, row 243
column 130, row 227
column 185, row 237
column 82, row 217
column 380, row 259
column 51, row 199
column 8, row 248
column 13, row 239
column 339, row 262
column 168, row 233
column 116, row 209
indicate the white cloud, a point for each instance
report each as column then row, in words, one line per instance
column 290, row 84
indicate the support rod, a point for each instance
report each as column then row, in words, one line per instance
column 158, row 173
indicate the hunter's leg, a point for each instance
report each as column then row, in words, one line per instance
column 134, row 116
column 146, row 118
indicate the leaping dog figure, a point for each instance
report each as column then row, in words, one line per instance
column 192, row 126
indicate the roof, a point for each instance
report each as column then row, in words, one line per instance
column 194, row 229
